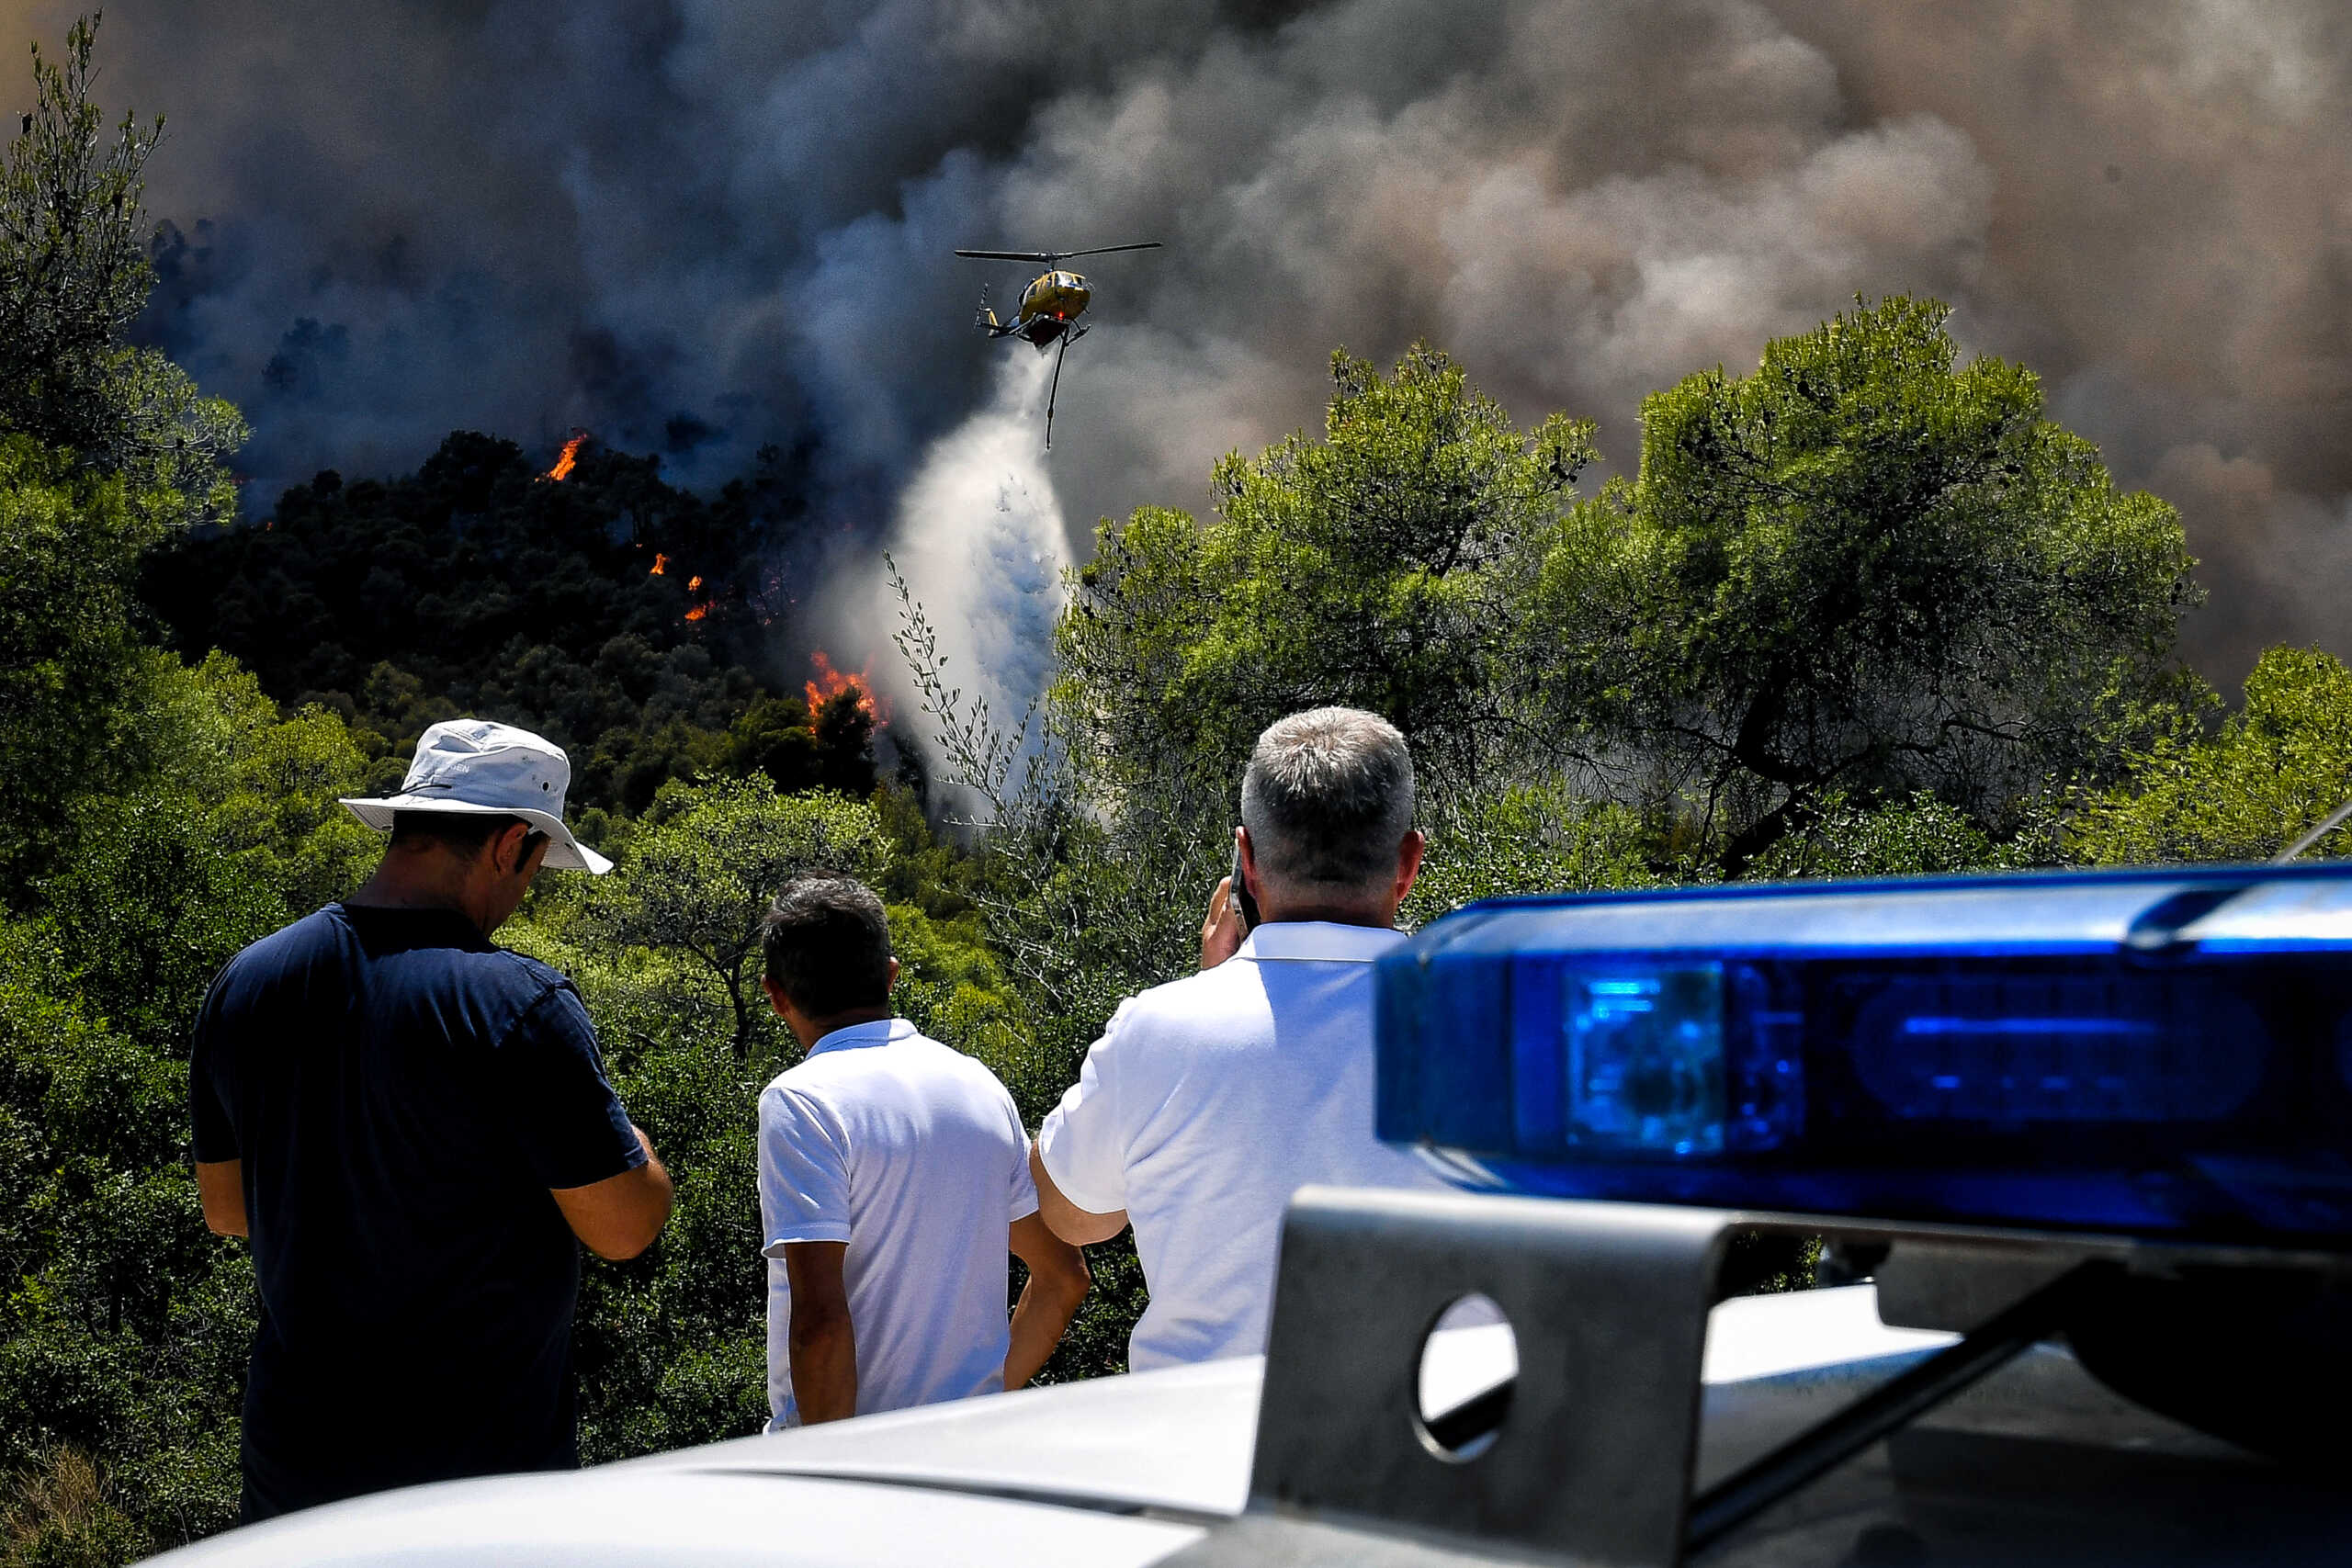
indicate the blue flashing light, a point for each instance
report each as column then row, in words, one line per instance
column 2166, row 1053
column 1646, row 1059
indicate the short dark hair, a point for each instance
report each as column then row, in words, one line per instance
column 1327, row 797
column 462, row 834
column 826, row 943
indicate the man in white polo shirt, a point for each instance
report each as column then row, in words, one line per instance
column 1208, row 1101
column 893, row 1179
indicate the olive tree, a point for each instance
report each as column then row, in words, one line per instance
column 1865, row 568
column 2274, row 771
column 695, row 878
column 74, row 275
column 1382, row 566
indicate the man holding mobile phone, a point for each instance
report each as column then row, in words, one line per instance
column 1208, row 1101
column 1233, row 913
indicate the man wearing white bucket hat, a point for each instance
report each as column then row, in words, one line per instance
column 415, row 1128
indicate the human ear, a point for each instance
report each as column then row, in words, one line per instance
column 517, row 847
column 1408, row 861
column 502, row 849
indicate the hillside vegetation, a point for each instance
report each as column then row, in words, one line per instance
column 1864, row 609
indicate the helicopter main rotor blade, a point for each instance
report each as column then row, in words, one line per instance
column 1047, row 258
column 1106, row 249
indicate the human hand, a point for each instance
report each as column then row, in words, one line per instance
column 1221, row 932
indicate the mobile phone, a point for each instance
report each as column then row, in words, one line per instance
column 1241, row 894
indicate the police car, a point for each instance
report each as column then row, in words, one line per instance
column 2085, row 1138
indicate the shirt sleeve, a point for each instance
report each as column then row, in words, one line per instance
column 804, row 1174
column 1081, row 1144
column 562, row 1109
column 215, row 1133
column 1022, row 1194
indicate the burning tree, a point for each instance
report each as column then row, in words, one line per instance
column 825, row 743
column 568, row 460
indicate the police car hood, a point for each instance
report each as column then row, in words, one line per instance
column 1124, row 1470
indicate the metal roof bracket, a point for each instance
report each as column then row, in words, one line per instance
column 1609, row 1306
column 1596, row 1440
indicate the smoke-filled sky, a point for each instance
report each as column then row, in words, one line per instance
column 698, row 225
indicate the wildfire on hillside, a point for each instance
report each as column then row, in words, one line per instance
column 695, row 611
column 831, row 682
column 567, row 459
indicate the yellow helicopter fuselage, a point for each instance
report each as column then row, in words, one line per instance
column 1050, row 306
column 1061, row 295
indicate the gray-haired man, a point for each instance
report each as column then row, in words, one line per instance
column 1208, row 1101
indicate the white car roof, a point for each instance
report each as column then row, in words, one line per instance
column 1107, row 1472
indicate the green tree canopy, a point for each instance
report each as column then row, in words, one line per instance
column 76, row 681
column 123, row 1330
column 2274, row 771
column 697, row 878
column 74, row 275
column 1868, row 568
column 1381, row 566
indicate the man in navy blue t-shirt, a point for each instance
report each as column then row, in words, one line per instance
column 414, row 1127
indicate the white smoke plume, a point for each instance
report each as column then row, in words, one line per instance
column 700, row 225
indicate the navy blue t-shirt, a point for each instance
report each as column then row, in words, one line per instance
column 403, row 1095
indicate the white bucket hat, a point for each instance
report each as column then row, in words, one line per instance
column 494, row 770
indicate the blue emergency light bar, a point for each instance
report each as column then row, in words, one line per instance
column 2160, row 1054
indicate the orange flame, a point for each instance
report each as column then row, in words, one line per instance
column 569, row 456
column 831, row 682
column 661, row 563
column 698, row 612
column 694, row 584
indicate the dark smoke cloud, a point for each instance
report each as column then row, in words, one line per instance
column 696, row 226
column 2170, row 244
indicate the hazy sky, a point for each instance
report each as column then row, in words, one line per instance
column 702, row 224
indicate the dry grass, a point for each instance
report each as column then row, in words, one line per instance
column 60, row 1514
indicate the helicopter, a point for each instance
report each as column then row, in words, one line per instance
column 1050, row 307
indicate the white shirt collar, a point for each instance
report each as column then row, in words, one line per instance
column 878, row 1032
column 1319, row 939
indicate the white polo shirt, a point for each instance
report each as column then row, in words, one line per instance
column 1206, row 1103
column 912, row 1153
